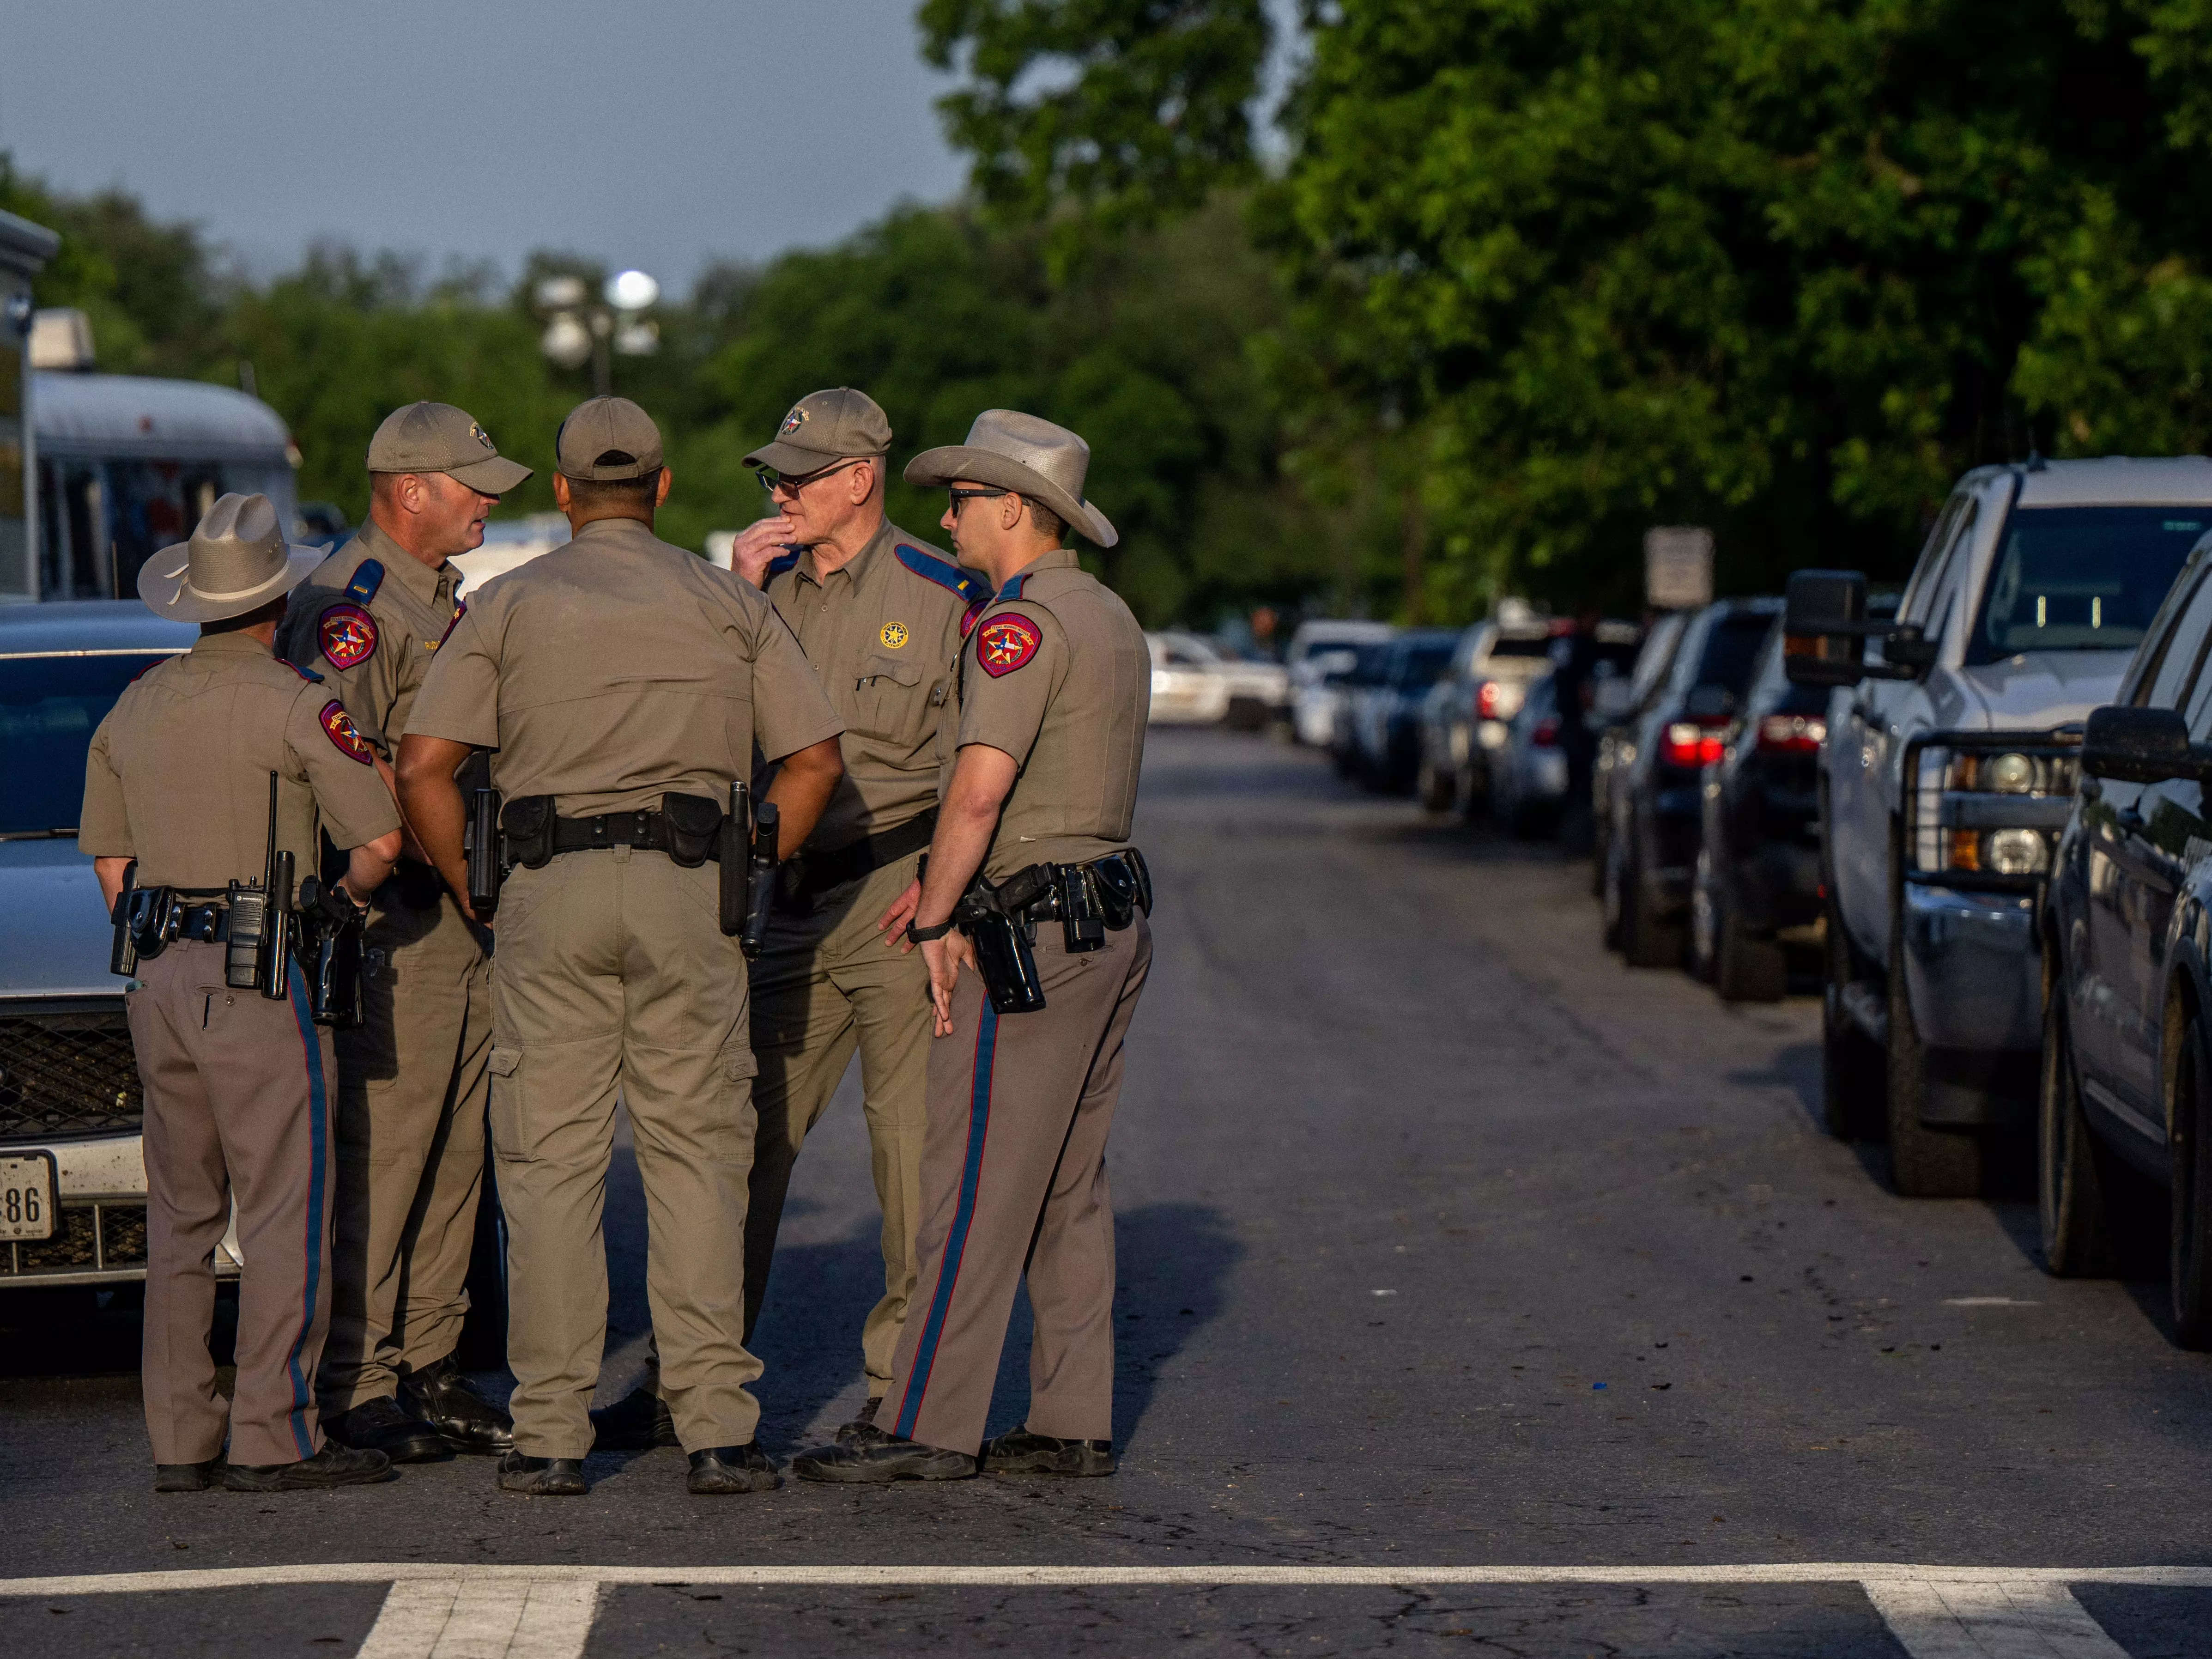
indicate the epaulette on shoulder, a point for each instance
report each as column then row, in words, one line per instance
column 972, row 589
column 365, row 581
column 781, row 563
column 307, row 674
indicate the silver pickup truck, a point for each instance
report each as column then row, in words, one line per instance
column 1953, row 732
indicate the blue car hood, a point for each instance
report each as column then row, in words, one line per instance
column 54, row 936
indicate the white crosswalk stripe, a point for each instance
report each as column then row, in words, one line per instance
column 485, row 1619
column 1990, row 1620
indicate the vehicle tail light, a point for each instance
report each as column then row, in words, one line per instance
column 1692, row 743
column 1486, row 701
column 1547, row 734
column 1792, row 734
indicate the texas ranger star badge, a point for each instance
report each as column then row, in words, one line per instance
column 791, row 422
column 894, row 635
column 1005, row 644
column 338, row 726
column 347, row 633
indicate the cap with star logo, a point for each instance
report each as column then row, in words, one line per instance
column 824, row 428
column 428, row 437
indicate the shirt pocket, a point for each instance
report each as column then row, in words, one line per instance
column 888, row 699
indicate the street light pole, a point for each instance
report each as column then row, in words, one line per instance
column 576, row 331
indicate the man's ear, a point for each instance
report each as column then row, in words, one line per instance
column 560, row 490
column 864, row 478
column 1010, row 508
column 661, row 495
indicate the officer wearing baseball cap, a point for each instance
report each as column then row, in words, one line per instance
column 879, row 613
column 179, row 791
column 1031, row 848
column 625, row 686
column 411, row 1080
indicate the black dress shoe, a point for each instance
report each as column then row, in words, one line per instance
column 1019, row 1452
column 188, row 1477
column 639, row 1421
column 333, row 1466
column 865, row 1418
column 720, row 1470
column 442, row 1396
column 872, row 1455
column 379, row 1424
column 542, row 1477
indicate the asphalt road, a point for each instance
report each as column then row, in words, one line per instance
column 1446, row 1243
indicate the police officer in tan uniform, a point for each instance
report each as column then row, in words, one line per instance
column 880, row 614
column 625, row 684
column 176, row 803
column 1042, row 786
column 411, row 1083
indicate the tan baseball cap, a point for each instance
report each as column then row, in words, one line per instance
column 605, row 440
column 438, row 438
column 824, row 427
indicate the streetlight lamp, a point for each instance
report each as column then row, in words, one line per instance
column 576, row 331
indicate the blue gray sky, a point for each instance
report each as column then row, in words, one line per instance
column 658, row 133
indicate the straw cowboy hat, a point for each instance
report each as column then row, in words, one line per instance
column 237, row 561
column 1028, row 456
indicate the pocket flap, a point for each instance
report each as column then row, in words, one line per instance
column 904, row 670
column 504, row 1062
column 738, row 1062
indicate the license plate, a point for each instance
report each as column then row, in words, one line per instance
column 30, row 1195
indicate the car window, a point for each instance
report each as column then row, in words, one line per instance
column 1509, row 647
column 1422, row 664
column 1731, row 648
column 2178, row 651
column 1657, row 656
column 2081, row 578
column 50, row 706
column 1938, row 563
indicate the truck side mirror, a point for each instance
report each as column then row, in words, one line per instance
column 1823, row 626
column 2141, row 745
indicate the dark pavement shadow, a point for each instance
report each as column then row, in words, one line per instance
column 808, row 1340
column 1172, row 1262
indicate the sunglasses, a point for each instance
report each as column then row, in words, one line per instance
column 774, row 482
column 960, row 495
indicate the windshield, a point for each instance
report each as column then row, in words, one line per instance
column 49, row 709
column 1731, row 648
column 1423, row 665
column 2082, row 578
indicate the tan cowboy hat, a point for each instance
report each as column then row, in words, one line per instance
column 1027, row 455
column 237, row 561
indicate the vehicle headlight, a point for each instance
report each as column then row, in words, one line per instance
column 2016, row 852
column 2009, row 774
column 1993, row 813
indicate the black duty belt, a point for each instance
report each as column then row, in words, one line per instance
column 647, row 831
column 817, row 873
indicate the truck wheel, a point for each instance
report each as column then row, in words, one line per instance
column 1745, row 969
column 2191, row 1153
column 1647, row 940
column 1923, row 1162
column 2069, row 1190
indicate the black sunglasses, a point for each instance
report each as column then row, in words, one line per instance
column 772, row 481
column 960, row 495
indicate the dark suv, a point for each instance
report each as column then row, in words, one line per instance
column 1654, row 801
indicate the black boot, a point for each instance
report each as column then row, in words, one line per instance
column 188, row 1477
column 442, row 1397
column 1019, row 1452
column 871, row 1456
column 864, row 1418
column 718, row 1471
column 379, row 1424
column 333, row 1466
column 639, row 1421
column 542, row 1477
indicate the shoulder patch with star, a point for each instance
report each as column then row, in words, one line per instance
column 344, row 736
column 347, row 635
column 1005, row 643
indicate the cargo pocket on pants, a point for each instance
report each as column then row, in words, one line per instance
column 510, row 1137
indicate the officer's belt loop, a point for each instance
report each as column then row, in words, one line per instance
column 818, row 873
column 645, row 832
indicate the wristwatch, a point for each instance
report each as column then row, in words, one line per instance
column 923, row 935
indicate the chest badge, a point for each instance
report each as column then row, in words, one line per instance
column 347, row 635
column 893, row 637
column 338, row 726
column 1005, row 643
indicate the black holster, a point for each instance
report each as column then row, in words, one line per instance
column 1003, row 956
column 762, row 867
column 487, row 869
column 526, row 830
column 693, row 825
column 736, row 887
column 330, row 956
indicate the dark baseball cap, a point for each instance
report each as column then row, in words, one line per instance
column 438, row 438
column 605, row 440
column 824, row 427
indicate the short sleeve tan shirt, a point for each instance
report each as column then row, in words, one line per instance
column 373, row 650
column 178, row 775
column 884, row 632
column 1055, row 673
column 616, row 669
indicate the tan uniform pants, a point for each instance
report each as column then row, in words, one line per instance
column 611, row 976
column 1013, row 1180
column 236, row 1109
column 824, row 985
column 412, row 1084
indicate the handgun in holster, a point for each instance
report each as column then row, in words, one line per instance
column 258, row 955
column 331, row 954
column 1001, row 943
column 123, row 958
column 762, row 868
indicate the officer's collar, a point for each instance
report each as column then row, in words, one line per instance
column 855, row 567
column 235, row 643
column 400, row 565
column 1059, row 558
column 617, row 529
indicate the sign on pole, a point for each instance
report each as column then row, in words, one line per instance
column 1678, row 566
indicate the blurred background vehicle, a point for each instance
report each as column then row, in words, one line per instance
column 1615, row 720
column 1463, row 718
column 1186, row 690
column 1318, row 649
column 1756, row 896
column 1259, row 687
column 2124, row 1090
column 1527, row 788
column 1654, row 798
column 1949, row 770
column 1386, row 710
column 1347, row 685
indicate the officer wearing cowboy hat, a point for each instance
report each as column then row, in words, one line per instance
column 237, row 1084
column 1041, row 760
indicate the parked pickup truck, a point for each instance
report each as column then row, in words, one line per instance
column 1954, row 736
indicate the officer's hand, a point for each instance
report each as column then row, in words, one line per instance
column 893, row 923
column 757, row 544
column 944, row 957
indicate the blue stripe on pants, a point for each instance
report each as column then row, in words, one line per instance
column 318, row 1128
column 956, row 1241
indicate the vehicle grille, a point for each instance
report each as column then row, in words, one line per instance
column 63, row 1074
column 92, row 1238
